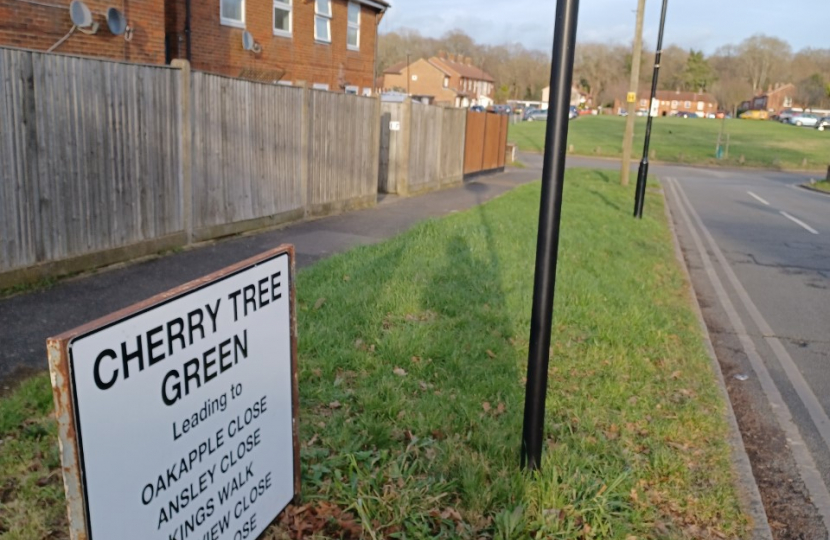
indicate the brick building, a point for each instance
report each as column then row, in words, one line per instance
column 443, row 79
column 774, row 100
column 329, row 44
column 39, row 26
column 673, row 102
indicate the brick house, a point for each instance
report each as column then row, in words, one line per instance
column 774, row 100
column 673, row 102
column 328, row 44
column 40, row 26
column 444, row 80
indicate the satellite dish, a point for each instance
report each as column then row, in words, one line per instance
column 116, row 21
column 80, row 14
column 248, row 42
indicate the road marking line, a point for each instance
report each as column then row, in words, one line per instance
column 799, row 222
column 804, row 460
column 757, row 198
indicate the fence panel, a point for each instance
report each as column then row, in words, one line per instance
column 90, row 152
column 453, row 127
column 344, row 149
column 424, row 146
column 247, row 140
column 474, row 142
column 392, row 141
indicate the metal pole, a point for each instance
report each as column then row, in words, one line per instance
column 547, row 243
column 633, row 88
column 642, row 173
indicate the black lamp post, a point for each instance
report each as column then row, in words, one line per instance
column 642, row 173
column 547, row 243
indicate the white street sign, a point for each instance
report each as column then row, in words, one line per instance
column 184, row 409
column 655, row 107
column 394, row 126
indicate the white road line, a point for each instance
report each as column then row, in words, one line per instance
column 804, row 460
column 799, row 222
column 757, row 198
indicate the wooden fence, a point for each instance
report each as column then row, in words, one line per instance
column 485, row 142
column 421, row 147
column 102, row 161
column 90, row 156
column 247, row 153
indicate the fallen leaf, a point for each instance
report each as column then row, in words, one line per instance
column 486, row 406
column 423, row 385
column 491, row 354
column 675, row 375
column 316, row 372
column 416, row 359
column 500, row 408
column 311, row 440
column 319, row 303
column 346, row 278
column 401, row 414
column 399, row 372
column 358, row 344
column 334, row 405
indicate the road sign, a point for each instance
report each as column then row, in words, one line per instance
column 631, row 97
column 177, row 416
column 655, row 107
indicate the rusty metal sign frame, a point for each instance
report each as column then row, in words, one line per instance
column 64, row 392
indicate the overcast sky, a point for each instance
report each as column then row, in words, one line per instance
column 698, row 24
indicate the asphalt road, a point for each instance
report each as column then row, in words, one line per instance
column 758, row 249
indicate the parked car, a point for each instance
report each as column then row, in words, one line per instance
column 528, row 112
column 501, row 109
column 803, row 119
column 785, row 115
column 477, row 108
column 537, row 115
column 823, row 124
column 686, row 114
column 573, row 112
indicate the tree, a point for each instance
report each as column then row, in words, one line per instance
column 698, row 75
column 812, row 91
column 731, row 87
column 598, row 66
column 764, row 59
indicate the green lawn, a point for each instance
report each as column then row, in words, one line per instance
column 412, row 357
column 761, row 143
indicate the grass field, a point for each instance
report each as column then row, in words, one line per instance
column 823, row 186
column 763, row 144
column 412, row 357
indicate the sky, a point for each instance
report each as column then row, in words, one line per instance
column 698, row 24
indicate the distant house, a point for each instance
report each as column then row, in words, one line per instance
column 672, row 102
column 444, row 79
column 328, row 44
column 577, row 97
column 774, row 100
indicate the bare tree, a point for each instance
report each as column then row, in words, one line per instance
column 764, row 60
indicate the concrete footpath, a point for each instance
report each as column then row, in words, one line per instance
column 28, row 319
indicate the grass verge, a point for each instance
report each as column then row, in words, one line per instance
column 822, row 185
column 765, row 144
column 412, row 356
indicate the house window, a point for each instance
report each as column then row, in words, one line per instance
column 700, row 105
column 282, row 18
column 232, row 13
column 788, row 101
column 367, row 92
column 320, row 86
column 322, row 20
column 673, row 104
column 351, row 90
column 687, row 104
column 446, row 82
column 643, row 103
column 353, row 29
column 284, row 83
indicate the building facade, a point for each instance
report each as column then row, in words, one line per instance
column 672, row 102
column 42, row 26
column 327, row 44
column 444, row 80
column 774, row 100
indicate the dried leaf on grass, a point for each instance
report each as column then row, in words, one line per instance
column 320, row 518
column 319, row 303
column 400, row 372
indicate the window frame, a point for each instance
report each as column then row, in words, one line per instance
column 353, row 25
column 287, row 6
column 320, row 86
column 352, row 89
column 232, row 22
column 322, row 16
